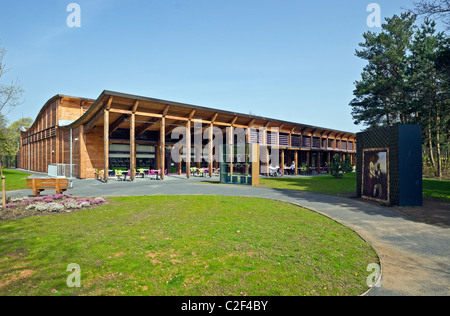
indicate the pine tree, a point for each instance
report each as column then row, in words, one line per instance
column 382, row 94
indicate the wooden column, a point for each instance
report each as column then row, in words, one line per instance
column 296, row 162
column 230, row 143
column 266, row 151
column 210, row 150
column 133, row 147
column 106, row 144
column 82, row 145
column 282, row 159
column 319, row 160
column 188, row 149
column 162, row 146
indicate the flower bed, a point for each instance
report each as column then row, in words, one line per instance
column 17, row 208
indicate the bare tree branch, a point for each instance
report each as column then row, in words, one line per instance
column 434, row 8
column 10, row 94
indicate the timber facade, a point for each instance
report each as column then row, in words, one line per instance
column 126, row 131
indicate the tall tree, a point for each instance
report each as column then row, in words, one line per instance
column 381, row 96
column 430, row 87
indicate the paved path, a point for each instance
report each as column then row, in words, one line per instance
column 415, row 256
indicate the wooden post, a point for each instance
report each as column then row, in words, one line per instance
column 83, row 151
column 319, row 161
column 188, row 149
column 296, row 162
column 210, row 150
column 266, row 151
column 3, row 189
column 133, row 147
column 308, row 159
column 282, row 159
column 106, row 145
column 230, row 147
column 162, row 148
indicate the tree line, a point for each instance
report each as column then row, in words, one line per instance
column 406, row 81
column 10, row 97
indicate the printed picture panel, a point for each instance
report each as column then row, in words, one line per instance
column 375, row 184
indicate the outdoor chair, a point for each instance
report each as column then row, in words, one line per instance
column 141, row 172
column 152, row 173
column 119, row 174
column 303, row 170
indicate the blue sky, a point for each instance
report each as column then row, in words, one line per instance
column 291, row 60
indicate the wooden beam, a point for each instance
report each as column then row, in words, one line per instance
column 170, row 130
column 191, row 115
column 135, row 106
column 90, row 125
column 144, row 127
column 214, row 118
column 115, row 126
column 166, row 110
column 108, row 105
column 222, row 124
column 234, row 120
column 146, row 114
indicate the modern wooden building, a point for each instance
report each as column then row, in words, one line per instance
column 127, row 131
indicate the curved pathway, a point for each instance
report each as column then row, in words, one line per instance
column 414, row 255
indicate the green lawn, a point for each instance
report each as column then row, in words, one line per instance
column 15, row 180
column 184, row 245
column 437, row 189
column 326, row 184
column 347, row 185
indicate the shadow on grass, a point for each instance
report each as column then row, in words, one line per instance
column 327, row 184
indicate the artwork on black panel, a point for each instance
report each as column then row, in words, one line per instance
column 375, row 184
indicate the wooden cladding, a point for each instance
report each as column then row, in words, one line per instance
column 78, row 131
column 42, row 135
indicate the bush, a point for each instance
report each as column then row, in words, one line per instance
column 347, row 166
column 335, row 167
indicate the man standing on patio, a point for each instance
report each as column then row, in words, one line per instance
column 293, row 168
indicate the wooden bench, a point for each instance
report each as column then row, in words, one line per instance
column 39, row 185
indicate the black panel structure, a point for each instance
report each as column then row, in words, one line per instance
column 389, row 165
